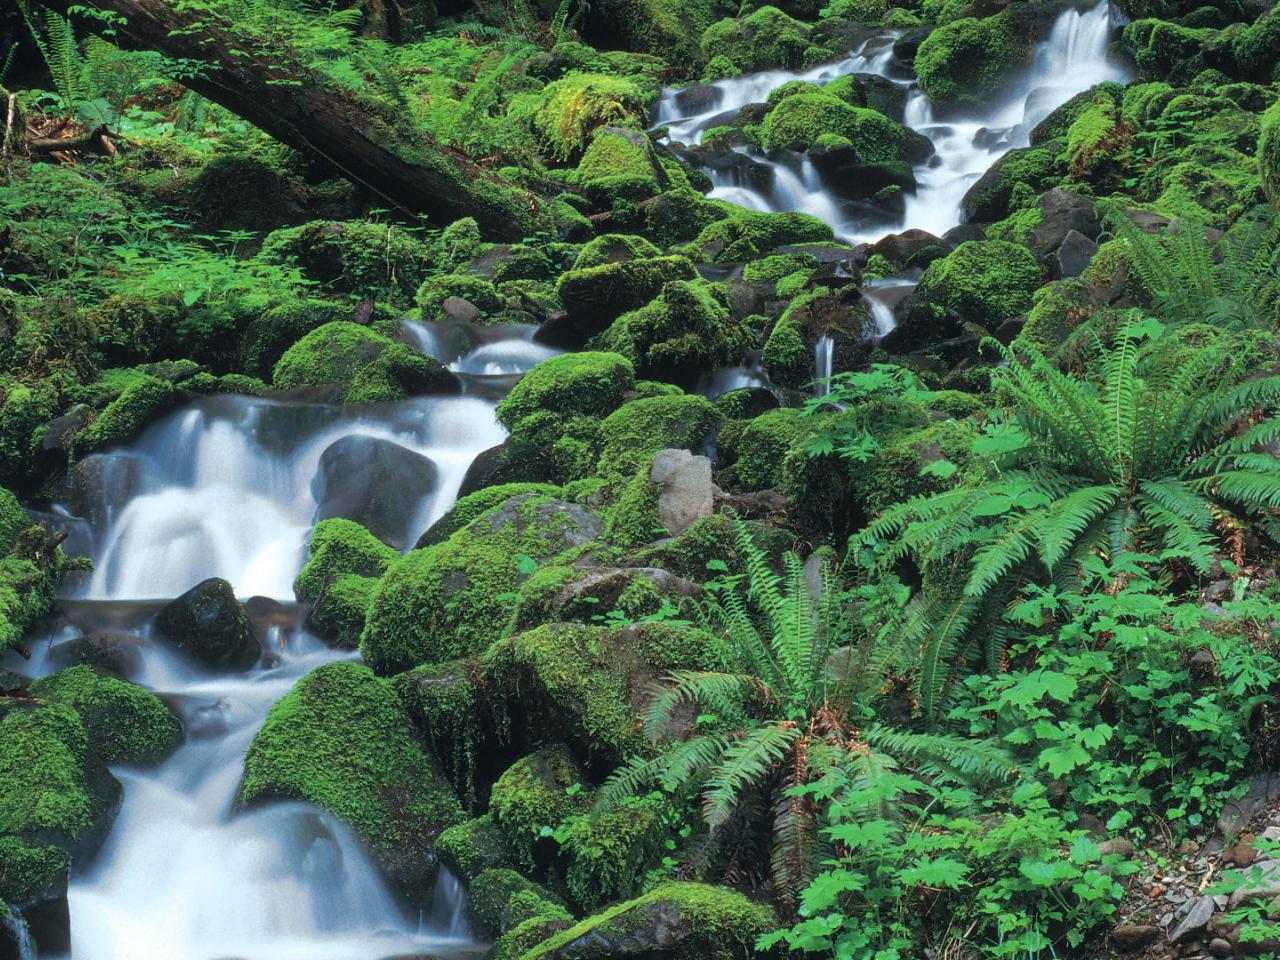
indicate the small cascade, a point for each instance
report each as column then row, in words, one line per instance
column 822, row 358
column 16, row 929
column 882, row 296
column 1073, row 58
column 501, row 350
column 447, row 919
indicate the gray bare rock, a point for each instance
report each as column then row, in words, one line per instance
column 687, row 492
column 1195, row 920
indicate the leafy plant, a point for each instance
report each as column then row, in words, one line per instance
column 795, row 709
column 1156, row 456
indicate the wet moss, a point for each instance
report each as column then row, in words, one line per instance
column 481, row 501
column 13, row 520
column 471, row 848
column 633, row 519
column 572, row 384
column 475, row 290
column 748, row 235
column 341, row 609
column 614, row 248
column 27, row 591
column 536, row 792
column 981, row 281
column 665, row 28
column 502, row 899
column 273, row 331
column 371, row 368
column 143, row 400
column 341, row 739
column 375, row 261
column 455, row 598
column 600, row 294
column 773, row 269
column 570, row 110
column 30, row 871
column 962, row 63
column 766, row 38
column 123, row 722
column 800, row 121
column 640, row 428
column 44, row 785
column 337, row 547
column 609, row 853
column 761, row 447
column 708, row 923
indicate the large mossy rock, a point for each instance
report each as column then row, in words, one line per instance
column 369, row 367
column 964, row 62
column 675, row 921
column 341, row 739
column 1015, row 181
column 539, row 790
column 593, row 297
column 455, row 598
column 570, row 385
column 208, row 624
column 372, row 260
column 798, row 122
column 765, row 39
column 344, row 562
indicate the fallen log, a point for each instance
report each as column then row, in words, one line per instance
column 362, row 137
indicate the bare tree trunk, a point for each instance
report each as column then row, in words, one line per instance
column 362, row 137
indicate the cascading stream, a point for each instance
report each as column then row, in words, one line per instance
column 230, row 487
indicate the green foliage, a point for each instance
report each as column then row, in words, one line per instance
column 1269, row 153
column 570, row 110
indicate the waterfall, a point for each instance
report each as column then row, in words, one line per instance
column 448, row 916
column 18, row 933
column 822, row 353
column 1072, row 59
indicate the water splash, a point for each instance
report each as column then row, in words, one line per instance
column 17, row 929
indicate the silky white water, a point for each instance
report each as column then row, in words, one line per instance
column 1072, row 59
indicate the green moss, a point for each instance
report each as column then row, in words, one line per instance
column 499, row 900
column 798, row 122
column 571, row 384
column 665, row 28
column 708, row 923
column 639, row 429
column 1269, row 153
column 341, row 609
column 1170, row 51
column 981, row 281
column 787, row 355
column 598, row 295
column 762, row 446
column 455, row 598
column 620, row 153
column 341, row 739
column 1057, row 309
column 748, row 235
column 964, row 62
column 373, row 368
column 142, row 401
column 570, row 110
column 614, row 248
column 481, row 501
column 30, row 871
column 44, row 785
column 375, row 261
column 338, row 547
column 765, row 39
column 1255, row 48
column 124, row 722
column 862, row 11
column 523, row 937
column 27, row 592
column 475, row 290
column 684, row 331
column 270, row 333
column 772, row 269
column 471, row 848
column 13, row 520
column 633, row 519
column 609, row 853
column 1096, row 138
column 540, row 790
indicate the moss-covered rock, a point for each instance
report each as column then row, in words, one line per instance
column 1015, row 182
column 964, row 62
column 766, row 38
column 675, row 921
column 683, row 332
column 982, row 282
column 123, row 722
column 13, row 520
column 27, row 590
column 474, row 504
column 569, row 385
column 339, row 547
column 614, row 248
column 536, row 792
column 640, row 428
column 143, row 400
column 570, row 110
column 607, row 854
column 747, row 235
column 481, row 293
column 1174, row 52
column 596, row 296
column 455, row 598
column 665, row 28
column 375, row 261
column 472, row 847
column 271, row 332
column 369, row 367
column 501, row 899
column 30, row 873
column 341, row 739
column 761, row 445
column 799, row 122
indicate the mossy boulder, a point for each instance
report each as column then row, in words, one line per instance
column 981, row 282
column 123, row 722
column 368, row 367
column 748, row 234
column 665, row 28
column 1174, row 52
column 593, row 297
column 29, row 579
column 842, row 315
column 13, row 520
column 614, row 153
column 608, row 853
column 338, row 547
column 341, row 739
column 500, row 900
column 800, row 122
column 679, row 335
column 760, row 447
column 588, row 686
column 472, row 847
column 144, row 399
column 569, row 385
column 614, row 248
column 675, row 921
column 33, row 879
column 272, row 331
column 375, row 261
column 764, row 39
column 439, row 297
column 455, row 598
column 472, row 505
column 637, row 430
column 1015, row 182
column 538, row 791
column 567, row 112
column 963, row 63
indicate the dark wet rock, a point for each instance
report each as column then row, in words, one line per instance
column 485, row 470
column 905, row 47
column 965, row 231
column 1130, row 937
column 911, row 248
column 115, row 652
column 56, row 437
column 375, row 482
column 741, row 170
column 1062, row 213
column 847, row 176
column 918, row 330
column 1073, row 255
column 11, row 684
column 208, row 625
column 460, row 310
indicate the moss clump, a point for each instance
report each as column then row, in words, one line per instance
column 13, row 520
column 481, row 501
column 341, row 739
column 471, row 848
column 569, row 385
column 704, row 923
column 614, row 248
column 1095, row 139
column 454, row 599
column 964, row 62
column 861, row 11
column 27, row 591
column 616, row 152
column 773, row 269
column 1015, row 181
column 570, row 110
column 748, row 235
column 762, row 445
column 502, row 899
column 981, row 281
column 45, row 787
column 637, row 430
column 1171, row 51
column 1269, row 153
column 684, row 331
column 372, row 367
column 524, row 936
column 788, row 355
column 270, row 333
column 477, row 291
column 765, row 39
column 609, row 853
column 124, row 722
column 143, row 400
column 540, row 790
column 375, row 261
column 30, row 872
column 1057, row 309
column 665, row 28
column 339, row 547
column 596, row 296
column 340, row 610
column 799, row 122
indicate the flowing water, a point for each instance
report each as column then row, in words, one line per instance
column 231, row 486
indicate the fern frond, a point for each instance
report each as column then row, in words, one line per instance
column 743, row 764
